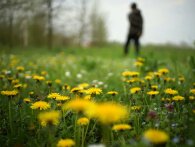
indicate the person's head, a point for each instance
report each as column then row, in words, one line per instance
column 133, row 6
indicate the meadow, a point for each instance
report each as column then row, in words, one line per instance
column 85, row 96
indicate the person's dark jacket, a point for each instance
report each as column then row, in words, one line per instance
column 136, row 22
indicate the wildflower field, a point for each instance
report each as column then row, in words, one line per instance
column 81, row 97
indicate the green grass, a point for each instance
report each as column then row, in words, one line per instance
column 100, row 67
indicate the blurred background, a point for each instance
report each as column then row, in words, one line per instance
column 86, row 23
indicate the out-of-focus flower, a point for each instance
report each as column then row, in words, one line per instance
column 62, row 98
column 191, row 98
column 38, row 78
column 151, row 115
column 156, row 136
column 49, row 118
column 113, row 93
column 153, row 93
column 41, row 105
column 130, row 74
column 169, row 107
column 171, row 91
column 135, row 108
column 178, row 98
column 83, row 121
column 27, row 100
column 108, row 112
column 163, row 71
column 121, row 127
column 135, row 90
column 58, row 81
column 78, row 105
column 192, row 91
column 9, row 92
column 66, row 143
column 94, row 91
column 83, row 85
column 20, row 68
column 53, row 95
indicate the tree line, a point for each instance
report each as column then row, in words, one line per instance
column 51, row 23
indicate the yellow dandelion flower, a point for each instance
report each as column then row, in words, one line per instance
column 140, row 59
column 193, row 111
column 49, row 118
column 16, row 81
column 87, row 97
column 138, row 64
column 148, row 78
column 27, row 100
column 94, row 91
column 38, row 78
column 191, row 98
column 75, row 90
column 166, row 99
column 157, row 74
column 62, row 98
column 18, row 86
column 83, row 121
column 53, row 95
column 178, row 98
column 20, row 68
column 156, row 136
column 153, row 93
column 83, row 85
column 66, row 143
column 135, row 90
column 78, row 105
column 171, row 91
column 41, row 105
column 192, row 91
column 44, row 73
column 135, row 108
column 163, row 71
column 58, row 81
column 9, row 93
column 113, row 93
column 121, row 127
column 108, row 112
column 154, row 87
column 130, row 74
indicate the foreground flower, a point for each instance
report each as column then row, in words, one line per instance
column 171, row 91
column 94, row 91
column 9, row 93
column 78, row 105
column 108, row 112
column 66, row 143
column 121, row 127
column 49, row 118
column 41, row 105
column 83, row 121
column 156, row 136
column 135, row 90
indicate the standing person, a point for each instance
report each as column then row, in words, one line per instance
column 135, row 31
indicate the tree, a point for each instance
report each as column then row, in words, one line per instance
column 98, row 27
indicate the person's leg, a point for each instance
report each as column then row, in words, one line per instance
column 137, row 46
column 126, row 47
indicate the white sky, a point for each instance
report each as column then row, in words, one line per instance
column 164, row 20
